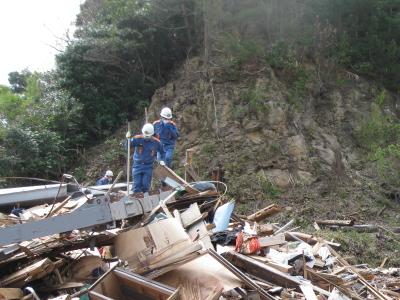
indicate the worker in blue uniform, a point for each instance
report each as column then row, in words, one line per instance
column 146, row 147
column 106, row 179
column 167, row 132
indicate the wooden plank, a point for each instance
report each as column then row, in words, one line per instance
column 35, row 271
column 264, row 229
column 176, row 294
column 281, row 267
column 192, row 220
column 59, row 207
column 192, row 173
column 215, row 294
column 190, row 215
column 383, row 262
column 163, row 173
column 170, row 197
column 272, row 240
column 316, row 226
column 268, row 211
column 261, row 270
column 308, row 238
column 317, row 276
column 97, row 296
column 308, row 292
column 10, row 293
column 335, row 222
column 177, row 216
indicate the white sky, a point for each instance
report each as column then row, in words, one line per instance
column 28, row 27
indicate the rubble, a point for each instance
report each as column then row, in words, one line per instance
column 189, row 245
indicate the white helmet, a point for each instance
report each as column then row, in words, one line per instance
column 166, row 113
column 109, row 173
column 148, row 130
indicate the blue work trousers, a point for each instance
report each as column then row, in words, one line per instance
column 142, row 175
column 166, row 155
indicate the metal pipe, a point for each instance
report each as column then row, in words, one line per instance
column 128, row 162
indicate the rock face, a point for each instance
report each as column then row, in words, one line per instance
column 259, row 129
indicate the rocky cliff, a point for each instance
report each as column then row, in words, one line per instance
column 289, row 135
column 277, row 134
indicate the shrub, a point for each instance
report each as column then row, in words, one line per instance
column 379, row 135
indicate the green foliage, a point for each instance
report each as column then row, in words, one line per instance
column 298, row 88
column 209, row 148
column 361, row 35
column 251, row 102
column 42, row 149
column 380, row 136
column 121, row 54
column 378, row 130
column 242, row 50
column 281, row 56
column 387, row 161
column 368, row 36
column 11, row 105
column 19, row 80
column 381, row 98
column 40, row 134
column 32, row 90
column 267, row 187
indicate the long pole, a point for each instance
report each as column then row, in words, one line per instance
column 128, row 162
column 145, row 114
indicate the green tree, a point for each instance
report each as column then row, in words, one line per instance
column 123, row 51
column 367, row 38
column 40, row 130
column 18, row 80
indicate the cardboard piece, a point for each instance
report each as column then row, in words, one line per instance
column 84, row 266
column 153, row 243
column 122, row 284
column 205, row 272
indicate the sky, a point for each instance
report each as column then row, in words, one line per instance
column 29, row 29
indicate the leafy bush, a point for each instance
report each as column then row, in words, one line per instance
column 379, row 135
column 241, row 51
column 251, row 102
column 281, row 56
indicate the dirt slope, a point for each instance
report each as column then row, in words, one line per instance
column 279, row 135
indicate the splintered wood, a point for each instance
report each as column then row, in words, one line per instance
column 30, row 273
column 168, row 254
column 265, row 213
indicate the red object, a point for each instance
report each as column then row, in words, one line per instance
column 247, row 244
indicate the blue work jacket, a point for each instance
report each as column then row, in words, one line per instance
column 166, row 131
column 103, row 181
column 145, row 150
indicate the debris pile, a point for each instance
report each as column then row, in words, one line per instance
column 192, row 246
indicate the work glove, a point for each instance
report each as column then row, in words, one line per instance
column 162, row 163
column 128, row 135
